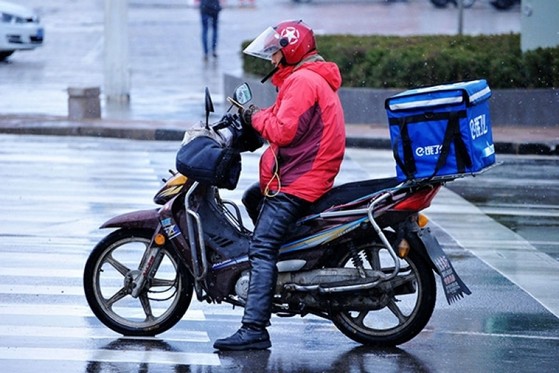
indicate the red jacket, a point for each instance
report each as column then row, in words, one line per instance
column 306, row 131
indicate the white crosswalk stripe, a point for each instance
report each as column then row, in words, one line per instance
column 68, row 332
column 109, row 356
column 81, row 310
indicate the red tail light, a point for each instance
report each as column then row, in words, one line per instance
column 418, row 200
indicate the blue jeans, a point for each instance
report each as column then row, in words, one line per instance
column 207, row 21
column 275, row 216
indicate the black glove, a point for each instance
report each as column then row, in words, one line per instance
column 246, row 115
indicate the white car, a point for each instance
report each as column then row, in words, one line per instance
column 20, row 29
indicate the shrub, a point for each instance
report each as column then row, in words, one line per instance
column 414, row 61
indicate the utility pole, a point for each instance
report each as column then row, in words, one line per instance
column 460, row 17
column 117, row 73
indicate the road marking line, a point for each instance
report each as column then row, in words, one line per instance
column 91, row 333
column 498, row 335
column 109, row 356
column 42, row 290
column 73, row 311
column 40, row 272
column 77, row 259
column 500, row 248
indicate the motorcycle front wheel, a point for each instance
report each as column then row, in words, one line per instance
column 111, row 268
column 389, row 317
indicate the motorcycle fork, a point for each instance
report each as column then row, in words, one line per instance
column 151, row 260
column 191, row 249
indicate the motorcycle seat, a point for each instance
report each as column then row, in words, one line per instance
column 345, row 193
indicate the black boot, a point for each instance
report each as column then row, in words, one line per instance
column 246, row 338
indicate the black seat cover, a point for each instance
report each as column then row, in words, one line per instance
column 348, row 192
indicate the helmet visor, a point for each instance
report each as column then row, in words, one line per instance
column 265, row 45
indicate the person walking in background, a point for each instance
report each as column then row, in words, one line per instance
column 209, row 11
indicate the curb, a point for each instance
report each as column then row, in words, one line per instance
column 357, row 137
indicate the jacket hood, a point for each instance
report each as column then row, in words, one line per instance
column 328, row 70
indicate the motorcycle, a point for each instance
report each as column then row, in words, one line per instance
column 362, row 257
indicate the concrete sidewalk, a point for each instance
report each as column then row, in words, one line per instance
column 508, row 139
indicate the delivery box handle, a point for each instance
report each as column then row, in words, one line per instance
column 453, row 135
column 408, row 164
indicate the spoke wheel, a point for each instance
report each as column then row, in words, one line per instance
column 395, row 315
column 109, row 276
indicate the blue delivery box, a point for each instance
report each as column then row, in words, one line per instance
column 441, row 130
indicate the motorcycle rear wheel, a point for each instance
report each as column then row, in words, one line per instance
column 397, row 318
column 110, row 268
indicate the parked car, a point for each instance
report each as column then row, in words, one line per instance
column 20, row 29
column 503, row 4
column 444, row 3
column 497, row 4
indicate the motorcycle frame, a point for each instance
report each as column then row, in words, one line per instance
column 201, row 203
column 197, row 211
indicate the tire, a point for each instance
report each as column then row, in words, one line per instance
column 108, row 271
column 395, row 319
column 5, row 54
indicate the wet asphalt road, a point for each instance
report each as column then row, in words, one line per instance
column 522, row 194
column 50, row 209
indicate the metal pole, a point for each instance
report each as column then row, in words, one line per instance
column 460, row 17
column 117, row 74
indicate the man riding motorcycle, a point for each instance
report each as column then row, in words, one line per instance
column 306, row 132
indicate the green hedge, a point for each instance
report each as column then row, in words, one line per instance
column 414, row 61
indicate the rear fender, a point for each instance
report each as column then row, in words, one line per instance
column 429, row 247
column 135, row 219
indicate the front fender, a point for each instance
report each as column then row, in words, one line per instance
column 134, row 219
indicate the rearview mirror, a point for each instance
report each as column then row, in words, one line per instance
column 209, row 107
column 242, row 94
column 209, row 103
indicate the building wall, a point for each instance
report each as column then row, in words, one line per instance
column 539, row 24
